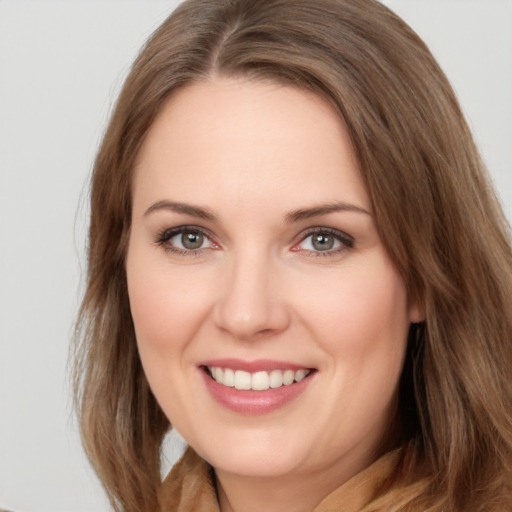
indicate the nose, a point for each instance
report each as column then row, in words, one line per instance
column 251, row 302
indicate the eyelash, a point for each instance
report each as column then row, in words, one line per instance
column 167, row 234
column 345, row 240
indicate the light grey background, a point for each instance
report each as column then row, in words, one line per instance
column 61, row 65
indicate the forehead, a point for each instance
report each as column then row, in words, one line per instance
column 241, row 138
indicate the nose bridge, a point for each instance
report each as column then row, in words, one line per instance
column 250, row 302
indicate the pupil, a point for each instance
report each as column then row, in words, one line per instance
column 192, row 240
column 323, row 242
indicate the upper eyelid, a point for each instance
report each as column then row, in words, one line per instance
column 331, row 231
column 170, row 232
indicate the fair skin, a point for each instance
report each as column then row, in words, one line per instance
column 253, row 249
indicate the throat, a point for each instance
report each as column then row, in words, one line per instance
column 250, row 494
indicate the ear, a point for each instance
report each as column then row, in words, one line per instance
column 416, row 311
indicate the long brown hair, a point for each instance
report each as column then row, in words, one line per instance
column 434, row 208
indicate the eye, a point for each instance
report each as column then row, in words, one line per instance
column 321, row 242
column 185, row 240
column 188, row 240
column 324, row 240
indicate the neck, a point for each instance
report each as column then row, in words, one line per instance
column 293, row 493
column 253, row 495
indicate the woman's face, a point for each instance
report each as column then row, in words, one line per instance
column 254, row 257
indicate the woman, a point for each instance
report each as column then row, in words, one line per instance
column 296, row 259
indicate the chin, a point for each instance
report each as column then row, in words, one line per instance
column 256, row 454
column 260, row 465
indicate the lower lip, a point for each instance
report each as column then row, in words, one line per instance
column 254, row 402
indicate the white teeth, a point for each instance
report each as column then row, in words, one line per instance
column 300, row 374
column 242, row 380
column 218, row 374
column 288, row 377
column 258, row 381
column 228, row 378
column 276, row 378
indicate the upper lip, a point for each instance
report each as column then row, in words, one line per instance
column 258, row 365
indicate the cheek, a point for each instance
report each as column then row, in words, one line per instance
column 167, row 306
column 361, row 314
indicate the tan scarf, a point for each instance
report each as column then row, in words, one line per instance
column 190, row 487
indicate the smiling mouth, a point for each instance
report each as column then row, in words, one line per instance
column 256, row 381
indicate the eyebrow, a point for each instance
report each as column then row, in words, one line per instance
column 323, row 209
column 290, row 217
column 186, row 209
